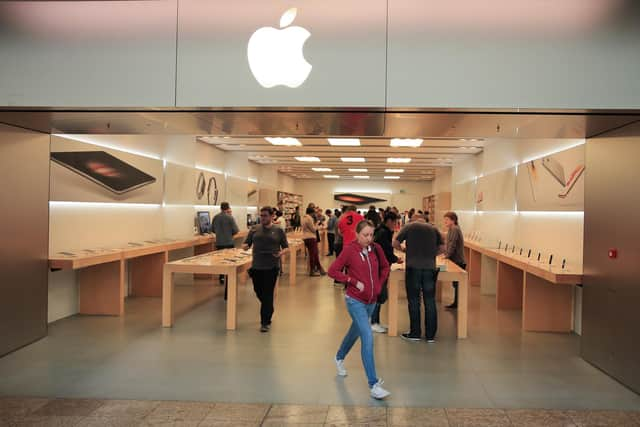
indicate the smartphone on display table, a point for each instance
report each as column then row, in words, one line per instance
column 555, row 169
column 104, row 169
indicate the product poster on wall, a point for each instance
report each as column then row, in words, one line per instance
column 496, row 192
column 82, row 172
column 553, row 183
column 209, row 188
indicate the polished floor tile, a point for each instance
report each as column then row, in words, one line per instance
column 540, row 418
column 68, row 407
column 48, row 421
column 296, row 414
column 339, row 415
column 477, row 418
column 602, row 418
column 19, row 407
column 134, row 358
column 423, row 417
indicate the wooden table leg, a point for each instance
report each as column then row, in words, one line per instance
column 232, row 300
column 102, row 289
column 293, row 265
column 510, row 287
column 167, row 297
column 547, row 307
column 474, row 263
column 463, row 306
column 392, row 303
column 146, row 275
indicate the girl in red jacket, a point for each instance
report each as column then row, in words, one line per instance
column 366, row 269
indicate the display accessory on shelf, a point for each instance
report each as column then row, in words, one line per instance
column 499, row 243
column 520, row 251
column 204, row 222
column 539, row 255
column 564, row 261
column 529, row 254
column 550, row 259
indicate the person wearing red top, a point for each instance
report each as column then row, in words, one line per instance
column 367, row 268
column 347, row 225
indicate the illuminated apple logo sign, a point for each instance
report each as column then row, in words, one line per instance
column 275, row 56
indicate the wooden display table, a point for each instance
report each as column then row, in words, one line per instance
column 295, row 246
column 101, row 275
column 538, row 289
column 230, row 262
column 449, row 272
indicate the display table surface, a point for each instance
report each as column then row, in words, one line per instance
column 543, row 292
column 230, row 262
column 449, row 272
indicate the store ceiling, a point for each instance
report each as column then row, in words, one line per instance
column 432, row 154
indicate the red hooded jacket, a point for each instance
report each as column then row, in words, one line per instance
column 368, row 265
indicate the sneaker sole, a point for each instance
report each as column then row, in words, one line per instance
column 410, row 339
column 381, row 397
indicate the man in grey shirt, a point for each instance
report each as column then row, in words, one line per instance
column 269, row 244
column 224, row 226
column 423, row 244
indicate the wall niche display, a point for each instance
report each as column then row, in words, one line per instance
column 287, row 203
column 553, row 183
column 209, row 188
column 83, row 172
column 497, row 191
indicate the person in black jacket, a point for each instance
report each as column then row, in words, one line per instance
column 384, row 237
column 373, row 216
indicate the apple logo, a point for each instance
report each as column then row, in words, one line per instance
column 275, row 56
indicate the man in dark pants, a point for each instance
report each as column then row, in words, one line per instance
column 454, row 250
column 224, row 227
column 269, row 244
column 384, row 237
column 332, row 224
column 423, row 243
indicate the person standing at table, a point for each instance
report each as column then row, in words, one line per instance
column 347, row 225
column 384, row 237
column 269, row 244
column 224, row 227
column 423, row 244
column 296, row 221
column 366, row 268
column 332, row 224
column 309, row 230
column 454, row 250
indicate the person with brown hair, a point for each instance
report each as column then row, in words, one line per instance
column 309, row 237
column 454, row 249
column 367, row 268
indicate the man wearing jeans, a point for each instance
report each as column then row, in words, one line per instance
column 423, row 243
column 269, row 244
column 224, row 227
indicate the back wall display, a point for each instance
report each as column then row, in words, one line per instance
column 553, row 183
column 496, row 192
column 82, row 172
column 209, row 188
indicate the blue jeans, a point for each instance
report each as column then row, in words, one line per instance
column 422, row 281
column 360, row 328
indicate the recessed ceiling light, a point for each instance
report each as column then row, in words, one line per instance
column 399, row 142
column 398, row 160
column 332, row 176
column 361, row 176
column 321, row 169
column 394, row 170
column 344, row 142
column 307, row 159
column 288, row 142
column 391, row 177
column 358, row 170
column 353, row 159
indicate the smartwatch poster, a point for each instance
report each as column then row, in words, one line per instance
column 553, row 183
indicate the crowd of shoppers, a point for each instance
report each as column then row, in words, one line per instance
column 365, row 244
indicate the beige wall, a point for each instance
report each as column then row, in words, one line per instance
column 405, row 195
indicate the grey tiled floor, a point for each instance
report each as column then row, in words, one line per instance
column 120, row 413
column 499, row 366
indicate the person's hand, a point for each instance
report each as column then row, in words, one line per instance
column 399, row 261
column 360, row 286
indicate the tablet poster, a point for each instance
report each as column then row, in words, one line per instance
column 83, row 172
column 553, row 183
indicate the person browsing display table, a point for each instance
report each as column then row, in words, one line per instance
column 269, row 244
column 367, row 268
column 309, row 235
column 454, row 249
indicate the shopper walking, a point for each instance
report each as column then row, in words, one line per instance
column 269, row 244
column 332, row 224
column 384, row 237
column 367, row 268
column 224, row 227
column 309, row 229
column 454, row 249
column 373, row 216
column 423, row 243
column 279, row 220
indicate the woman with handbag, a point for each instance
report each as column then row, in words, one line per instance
column 367, row 268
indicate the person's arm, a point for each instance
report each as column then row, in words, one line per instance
column 440, row 243
column 336, row 273
column 385, row 244
column 248, row 242
column 452, row 241
column 384, row 264
column 400, row 237
column 234, row 227
column 284, row 244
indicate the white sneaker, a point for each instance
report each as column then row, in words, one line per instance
column 376, row 327
column 377, row 392
column 342, row 371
